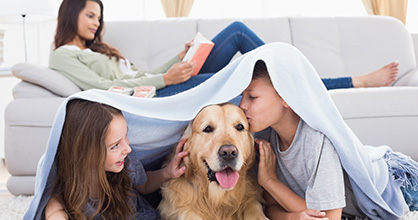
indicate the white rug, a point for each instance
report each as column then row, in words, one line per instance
column 14, row 208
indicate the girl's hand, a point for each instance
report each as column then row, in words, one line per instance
column 179, row 73
column 267, row 164
column 173, row 169
column 309, row 214
column 54, row 210
column 186, row 48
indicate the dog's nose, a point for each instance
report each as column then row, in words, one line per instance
column 228, row 152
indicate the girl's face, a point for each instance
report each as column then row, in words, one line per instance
column 88, row 20
column 117, row 144
column 262, row 105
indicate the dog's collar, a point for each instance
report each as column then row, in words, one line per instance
column 211, row 173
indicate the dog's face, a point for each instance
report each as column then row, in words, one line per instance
column 220, row 145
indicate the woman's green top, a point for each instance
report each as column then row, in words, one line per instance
column 90, row 70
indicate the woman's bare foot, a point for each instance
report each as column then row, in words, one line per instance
column 381, row 77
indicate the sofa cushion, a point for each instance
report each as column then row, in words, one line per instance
column 149, row 44
column 353, row 46
column 272, row 30
column 45, row 77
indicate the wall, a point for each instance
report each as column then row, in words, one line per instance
column 40, row 36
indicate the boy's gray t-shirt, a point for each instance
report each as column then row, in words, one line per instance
column 311, row 168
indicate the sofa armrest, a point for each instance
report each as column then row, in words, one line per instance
column 27, row 126
column 415, row 41
column 46, row 78
column 25, row 89
column 408, row 79
column 381, row 116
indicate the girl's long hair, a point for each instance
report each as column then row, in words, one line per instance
column 67, row 28
column 80, row 162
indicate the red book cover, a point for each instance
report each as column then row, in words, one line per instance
column 199, row 52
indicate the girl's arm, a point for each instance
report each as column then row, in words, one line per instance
column 172, row 170
column 54, row 210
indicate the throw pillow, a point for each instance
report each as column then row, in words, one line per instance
column 45, row 77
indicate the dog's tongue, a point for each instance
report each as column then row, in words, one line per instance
column 227, row 178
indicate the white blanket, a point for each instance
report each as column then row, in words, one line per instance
column 156, row 124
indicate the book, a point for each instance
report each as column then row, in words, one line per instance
column 199, row 52
column 121, row 90
column 144, row 91
column 138, row 91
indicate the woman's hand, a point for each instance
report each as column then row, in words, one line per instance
column 186, row 48
column 178, row 73
column 267, row 164
column 173, row 169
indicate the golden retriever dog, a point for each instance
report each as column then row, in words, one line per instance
column 218, row 183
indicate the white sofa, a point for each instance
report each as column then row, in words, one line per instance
column 336, row 46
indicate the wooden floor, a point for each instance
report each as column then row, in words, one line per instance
column 4, row 175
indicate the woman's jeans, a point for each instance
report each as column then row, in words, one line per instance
column 181, row 87
column 235, row 38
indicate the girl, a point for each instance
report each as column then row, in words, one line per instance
column 85, row 59
column 320, row 163
column 95, row 169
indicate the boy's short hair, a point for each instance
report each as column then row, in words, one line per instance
column 260, row 71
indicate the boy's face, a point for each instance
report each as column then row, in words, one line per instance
column 117, row 144
column 262, row 105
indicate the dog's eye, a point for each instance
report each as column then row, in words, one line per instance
column 239, row 127
column 208, row 129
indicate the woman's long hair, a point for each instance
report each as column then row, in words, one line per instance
column 80, row 161
column 67, row 28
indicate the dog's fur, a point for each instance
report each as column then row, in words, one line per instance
column 198, row 194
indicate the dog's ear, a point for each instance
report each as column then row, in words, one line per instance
column 254, row 151
column 188, row 132
column 187, row 162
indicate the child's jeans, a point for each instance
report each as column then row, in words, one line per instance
column 411, row 198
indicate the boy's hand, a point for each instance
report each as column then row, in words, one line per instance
column 267, row 164
column 310, row 214
column 173, row 169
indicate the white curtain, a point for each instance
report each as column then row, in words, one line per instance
column 177, row 8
